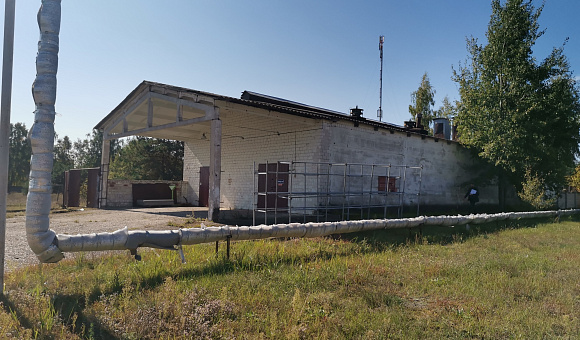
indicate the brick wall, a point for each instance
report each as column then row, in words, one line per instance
column 119, row 194
column 446, row 164
column 256, row 135
column 120, row 191
column 249, row 138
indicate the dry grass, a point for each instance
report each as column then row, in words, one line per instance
column 493, row 282
column 16, row 204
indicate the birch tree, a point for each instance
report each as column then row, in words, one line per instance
column 520, row 115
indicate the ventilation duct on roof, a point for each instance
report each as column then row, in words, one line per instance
column 356, row 112
column 441, row 128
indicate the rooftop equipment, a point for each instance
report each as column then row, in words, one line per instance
column 356, row 112
column 442, row 128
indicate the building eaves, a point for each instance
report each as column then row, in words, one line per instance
column 253, row 99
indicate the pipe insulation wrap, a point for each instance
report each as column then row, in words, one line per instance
column 42, row 131
column 41, row 239
column 170, row 239
column 94, row 242
column 163, row 239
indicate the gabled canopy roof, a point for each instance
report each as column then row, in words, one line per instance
column 171, row 112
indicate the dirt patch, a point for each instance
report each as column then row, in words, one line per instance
column 88, row 221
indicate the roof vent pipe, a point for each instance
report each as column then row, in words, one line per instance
column 356, row 112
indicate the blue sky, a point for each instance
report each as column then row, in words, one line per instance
column 322, row 53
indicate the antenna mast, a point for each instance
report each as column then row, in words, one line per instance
column 380, row 110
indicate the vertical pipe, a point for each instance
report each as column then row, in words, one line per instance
column 291, row 170
column 344, row 191
column 41, row 239
column 215, row 167
column 276, row 191
column 318, row 193
column 255, row 199
column 362, row 189
column 371, row 190
column 305, row 195
column 327, row 200
column 8, row 58
column 266, row 197
column 419, row 194
column 404, row 188
column 387, row 191
column 105, row 160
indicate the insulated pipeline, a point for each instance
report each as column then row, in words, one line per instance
column 170, row 239
column 41, row 239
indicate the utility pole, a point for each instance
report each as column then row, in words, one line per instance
column 6, row 99
column 380, row 110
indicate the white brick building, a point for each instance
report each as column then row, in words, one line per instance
column 225, row 137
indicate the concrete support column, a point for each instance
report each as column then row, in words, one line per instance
column 215, row 167
column 104, row 172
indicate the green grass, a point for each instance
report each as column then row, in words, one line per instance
column 519, row 281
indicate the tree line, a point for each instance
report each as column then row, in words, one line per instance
column 519, row 115
column 134, row 158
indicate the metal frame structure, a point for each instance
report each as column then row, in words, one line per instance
column 323, row 192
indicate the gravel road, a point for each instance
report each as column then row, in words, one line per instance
column 89, row 221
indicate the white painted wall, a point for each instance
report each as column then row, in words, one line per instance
column 195, row 155
column 445, row 164
column 256, row 135
column 260, row 136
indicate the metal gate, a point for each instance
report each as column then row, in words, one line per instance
column 81, row 187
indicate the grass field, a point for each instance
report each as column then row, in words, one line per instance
column 520, row 281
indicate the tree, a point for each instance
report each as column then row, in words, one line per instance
column 149, row 158
column 63, row 161
column 87, row 152
column 574, row 179
column 19, row 159
column 422, row 101
column 520, row 116
column 447, row 109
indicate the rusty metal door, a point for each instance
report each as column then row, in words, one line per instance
column 150, row 191
column 93, row 187
column 388, row 184
column 204, row 186
column 72, row 188
column 273, row 184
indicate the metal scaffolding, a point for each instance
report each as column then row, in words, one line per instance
column 321, row 192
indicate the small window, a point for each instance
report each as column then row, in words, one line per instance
column 387, row 184
column 438, row 129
